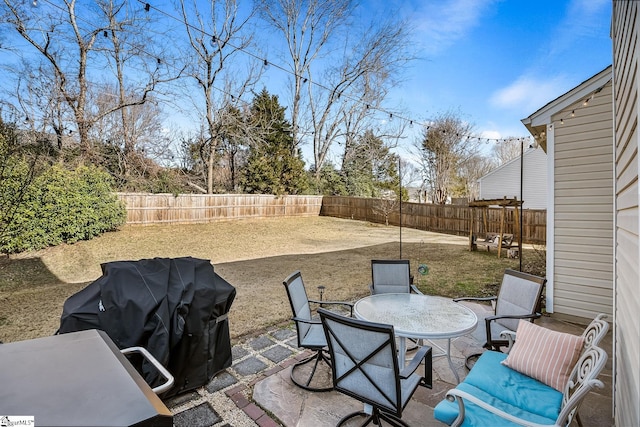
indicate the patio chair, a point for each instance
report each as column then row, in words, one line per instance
column 592, row 335
column 391, row 276
column 310, row 334
column 366, row 367
column 520, row 297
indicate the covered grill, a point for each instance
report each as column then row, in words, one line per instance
column 176, row 308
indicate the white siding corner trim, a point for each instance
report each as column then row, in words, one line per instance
column 550, row 216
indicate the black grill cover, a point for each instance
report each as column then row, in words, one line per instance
column 176, row 308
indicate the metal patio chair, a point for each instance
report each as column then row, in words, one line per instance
column 520, row 297
column 310, row 333
column 592, row 335
column 366, row 367
column 391, row 276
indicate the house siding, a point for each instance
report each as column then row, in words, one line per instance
column 624, row 31
column 504, row 181
column 583, row 206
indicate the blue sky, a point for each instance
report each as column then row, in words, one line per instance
column 497, row 62
column 493, row 62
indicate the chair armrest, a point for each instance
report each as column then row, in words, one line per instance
column 345, row 303
column 415, row 290
column 310, row 322
column 424, row 353
column 494, row 298
column 456, row 395
column 513, row 316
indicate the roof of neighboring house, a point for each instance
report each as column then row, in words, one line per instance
column 537, row 122
column 527, row 152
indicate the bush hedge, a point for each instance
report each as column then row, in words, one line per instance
column 63, row 206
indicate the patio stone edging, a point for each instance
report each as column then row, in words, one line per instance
column 227, row 399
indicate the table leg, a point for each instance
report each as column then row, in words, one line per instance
column 446, row 353
column 453, row 369
column 402, row 351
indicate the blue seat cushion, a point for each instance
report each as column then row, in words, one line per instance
column 447, row 411
column 506, row 389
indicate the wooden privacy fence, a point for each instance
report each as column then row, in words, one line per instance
column 449, row 219
column 144, row 209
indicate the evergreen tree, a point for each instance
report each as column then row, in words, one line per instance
column 370, row 170
column 272, row 167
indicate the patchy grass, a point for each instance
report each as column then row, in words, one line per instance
column 254, row 256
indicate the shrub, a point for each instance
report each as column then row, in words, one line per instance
column 64, row 206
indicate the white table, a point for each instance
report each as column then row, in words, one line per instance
column 419, row 317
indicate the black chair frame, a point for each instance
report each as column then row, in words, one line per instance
column 320, row 353
column 378, row 413
column 496, row 344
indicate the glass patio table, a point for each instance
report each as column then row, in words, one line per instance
column 418, row 316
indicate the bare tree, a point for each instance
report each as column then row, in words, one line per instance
column 216, row 37
column 386, row 205
column 362, row 65
column 307, row 26
column 506, row 149
column 68, row 44
column 469, row 172
column 126, row 46
column 444, row 146
column 143, row 137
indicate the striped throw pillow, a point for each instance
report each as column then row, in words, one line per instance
column 543, row 354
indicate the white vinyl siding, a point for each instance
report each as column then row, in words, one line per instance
column 583, row 206
column 624, row 30
column 504, row 181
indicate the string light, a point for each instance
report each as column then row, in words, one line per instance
column 585, row 103
column 214, row 39
column 283, row 69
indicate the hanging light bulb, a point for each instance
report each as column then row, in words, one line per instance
column 573, row 113
column 147, row 7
